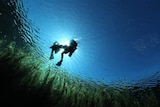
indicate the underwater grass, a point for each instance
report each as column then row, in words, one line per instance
column 25, row 83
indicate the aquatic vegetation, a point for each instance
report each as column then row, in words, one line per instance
column 25, row 83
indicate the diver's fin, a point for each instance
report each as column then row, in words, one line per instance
column 59, row 63
column 51, row 57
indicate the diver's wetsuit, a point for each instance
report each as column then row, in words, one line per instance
column 55, row 47
column 68, row 49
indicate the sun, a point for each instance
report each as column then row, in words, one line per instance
column 65, row 42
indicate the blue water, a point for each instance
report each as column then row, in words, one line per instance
column 117, row 39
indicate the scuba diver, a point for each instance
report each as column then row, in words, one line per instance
column 67, row 49
column 55, row 47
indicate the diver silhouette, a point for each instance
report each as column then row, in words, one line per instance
column 55, row 47
column 67, row 49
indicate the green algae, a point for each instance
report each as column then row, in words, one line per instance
column 28, row 84
column 24, row 82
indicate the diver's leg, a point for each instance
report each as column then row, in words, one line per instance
column 62, row 56
column 51, row 57
column 60, row 62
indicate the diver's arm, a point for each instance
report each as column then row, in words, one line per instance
column 51, row 46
